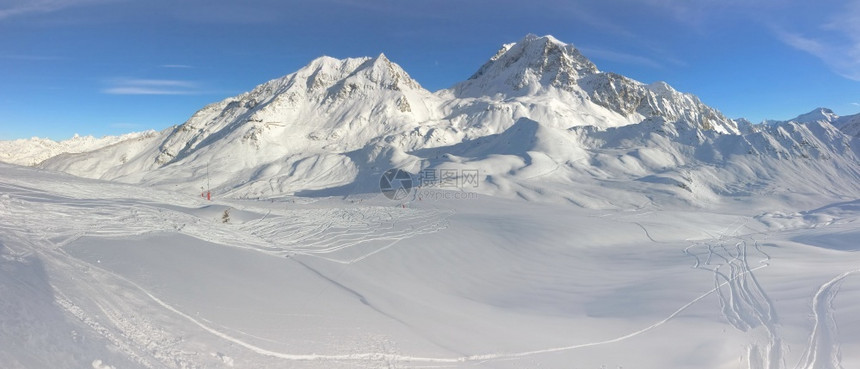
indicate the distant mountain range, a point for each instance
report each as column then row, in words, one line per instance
column 538, row 121
column 31, row 152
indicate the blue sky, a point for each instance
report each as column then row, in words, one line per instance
column 112, row 66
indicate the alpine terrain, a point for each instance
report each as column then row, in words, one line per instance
column 547, row 214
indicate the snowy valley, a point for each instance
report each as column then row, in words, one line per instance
column 594, row 221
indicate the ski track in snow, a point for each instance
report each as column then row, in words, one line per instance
column 747, row 307
column 823, row 351
column 744, row 303
column 319, row 232
column 647, row 234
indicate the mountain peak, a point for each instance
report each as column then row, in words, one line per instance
column 661, row 88
column 817, row 115
column 383, row 72
column 527, row 66
column 325, row 73
column 541, row 41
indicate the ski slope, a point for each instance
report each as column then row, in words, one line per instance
column 107, row 275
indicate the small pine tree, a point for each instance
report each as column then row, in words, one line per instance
column 226, row 217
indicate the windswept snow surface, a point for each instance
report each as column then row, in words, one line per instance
column 99, row 274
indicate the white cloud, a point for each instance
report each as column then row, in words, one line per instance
column 834, row 39
column 132, row 86
column 15, row 8
column 836, row 42
column 176, row 66
column 842, row 57
column 144, row 91
column 703, row 14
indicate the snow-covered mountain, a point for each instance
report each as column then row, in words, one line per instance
column 295, row 128
column 547, row 80
column 35, row 150
column 850, row 124
column 817, row 115
column 732, row 243
column 538, row 120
